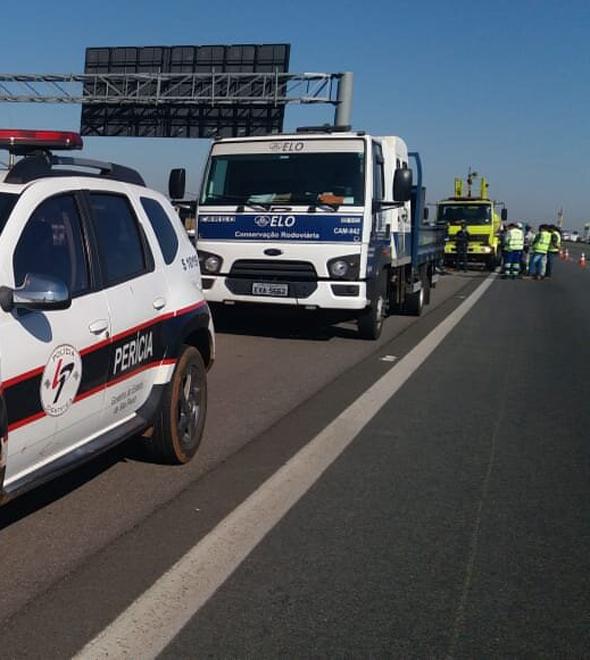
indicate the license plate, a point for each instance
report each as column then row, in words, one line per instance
column 270, row 289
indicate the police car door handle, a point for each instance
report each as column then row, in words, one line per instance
column 159, row 303
column 99, row 326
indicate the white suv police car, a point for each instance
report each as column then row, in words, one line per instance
column 104, row 331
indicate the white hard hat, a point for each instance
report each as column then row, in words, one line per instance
column 519, row 225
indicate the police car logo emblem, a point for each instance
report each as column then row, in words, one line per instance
column 61, row 380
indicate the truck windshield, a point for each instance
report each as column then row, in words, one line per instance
column 7, row 202
column 310, row 178
column 470, row 214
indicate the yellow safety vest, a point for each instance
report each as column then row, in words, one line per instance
column 554, row 246
column 542, row 242
column 515, row 240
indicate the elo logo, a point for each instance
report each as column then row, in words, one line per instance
column 286, row 146
column 274, row 220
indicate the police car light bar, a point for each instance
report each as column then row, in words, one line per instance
column 19, row 140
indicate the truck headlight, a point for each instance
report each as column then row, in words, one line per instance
column 345, row 268
column 339, row 268
column 210, row 263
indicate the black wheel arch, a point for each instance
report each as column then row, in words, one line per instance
column 3, row 442
column 192, row 330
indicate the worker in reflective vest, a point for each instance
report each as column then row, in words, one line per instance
column 553, row 249
column 514, row 244
column 529, row 237
column 539, row 249
column 462, row 245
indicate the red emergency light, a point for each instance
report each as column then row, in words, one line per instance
column 19, row 140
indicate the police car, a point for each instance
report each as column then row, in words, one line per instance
column 104, row 331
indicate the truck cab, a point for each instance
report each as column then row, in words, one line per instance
column 318, row 220
column 482, row 220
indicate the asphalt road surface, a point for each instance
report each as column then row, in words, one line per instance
column 455, row 523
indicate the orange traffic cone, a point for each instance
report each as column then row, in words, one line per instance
column 582, row 261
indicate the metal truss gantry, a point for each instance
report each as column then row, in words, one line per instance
column 157, row 89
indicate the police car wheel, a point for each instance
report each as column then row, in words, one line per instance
column 179, row 429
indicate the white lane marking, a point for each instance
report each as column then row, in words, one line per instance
column 149, row 624
column 388, row 358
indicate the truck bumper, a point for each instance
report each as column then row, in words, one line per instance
column 321, row 295
column 474, row 252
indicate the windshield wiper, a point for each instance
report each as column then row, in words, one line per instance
column 257, row 206
column 239, row 201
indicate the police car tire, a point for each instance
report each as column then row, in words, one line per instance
column 169, row 444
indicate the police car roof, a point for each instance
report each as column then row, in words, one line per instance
column 46, row 165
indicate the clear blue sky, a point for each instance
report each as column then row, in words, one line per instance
column 502, row 86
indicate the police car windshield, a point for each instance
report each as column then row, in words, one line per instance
column 309, row 178
column 7, row 202
column 470, row 214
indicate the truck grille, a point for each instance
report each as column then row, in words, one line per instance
column 270, row 270
column 478, row 238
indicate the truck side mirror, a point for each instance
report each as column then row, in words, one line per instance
column 504, row 215
column 426, row 212
column 177, row 183
column 402, row 184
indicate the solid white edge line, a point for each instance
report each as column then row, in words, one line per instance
column 151, row 622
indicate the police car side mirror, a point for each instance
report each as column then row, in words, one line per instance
column 402, row 184
column 39, row 292
column 177, row 183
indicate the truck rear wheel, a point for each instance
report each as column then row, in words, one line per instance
column 414, row 303
column 370, row 321
column 426, row 285
column 179, row 427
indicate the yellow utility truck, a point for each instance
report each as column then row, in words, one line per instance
column 482, row 222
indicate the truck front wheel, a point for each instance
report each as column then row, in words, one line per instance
column 370, row 322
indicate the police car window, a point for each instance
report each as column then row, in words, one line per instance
column 7, row 202
column 162, row 227
column 117, row 234
column 52, row 244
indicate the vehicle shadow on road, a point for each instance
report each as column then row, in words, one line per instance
column 44, row 495
column 280, row 324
